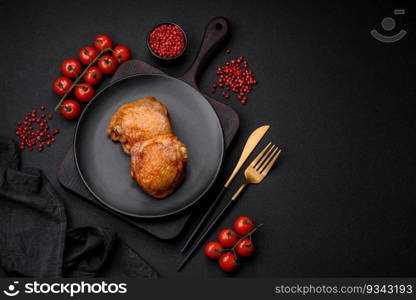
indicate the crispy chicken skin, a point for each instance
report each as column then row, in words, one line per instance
column 139, row 121
column 158, row 164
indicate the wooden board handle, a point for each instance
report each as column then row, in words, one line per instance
column 215, row 33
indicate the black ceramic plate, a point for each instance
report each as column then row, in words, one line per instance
column 104, row 167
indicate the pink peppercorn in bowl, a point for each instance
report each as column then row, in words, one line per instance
column 167, row 42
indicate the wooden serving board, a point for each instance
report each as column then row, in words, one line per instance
column 170, row 227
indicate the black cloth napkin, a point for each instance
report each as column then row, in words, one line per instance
column 35, row 240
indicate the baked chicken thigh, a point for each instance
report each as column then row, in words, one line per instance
column 158, row 164
column 139, row 121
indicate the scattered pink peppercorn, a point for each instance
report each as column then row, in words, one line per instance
column 235, row 77
column 33, row 131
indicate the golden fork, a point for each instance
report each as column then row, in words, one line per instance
column 259, row 167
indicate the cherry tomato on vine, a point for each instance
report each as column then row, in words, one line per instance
column 102, row 41
column 243, row 225
column 213, row 250
column 61, row 85
column 87, row 54
column 228, row 238
column 84, row 92
column 245, row 248
column 107, row 64
column 121, row 53
column 228, row 262
column 93, row 76
column 70, row 109
column 71, row 67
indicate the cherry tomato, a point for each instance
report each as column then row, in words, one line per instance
column 84, row 92
column 93, row 76
column 107, row 64
column 245, row 248
column 61, row 85
column 71, row 68
column 102, row 41
column 87, row 54
column 213, row 250
column 228, row 262
column 70, row 109
column 228, row 238
column 243, row 225
column 121, row 53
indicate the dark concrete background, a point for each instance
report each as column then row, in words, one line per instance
column 341, row 105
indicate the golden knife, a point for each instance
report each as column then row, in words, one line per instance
column 251, row 143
